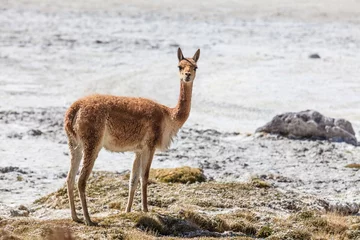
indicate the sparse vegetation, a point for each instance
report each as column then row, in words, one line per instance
column 151, row 223
column 297, row 234
column 115, row 205
column 322, row 225
column 205, row 210
column 353, row 165
column 257, row 182
column 264, row 232
column 178, row 175
column 244, row 227
column 214, row 224
column 305, row 215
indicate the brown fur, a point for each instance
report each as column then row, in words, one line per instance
column 122, row 124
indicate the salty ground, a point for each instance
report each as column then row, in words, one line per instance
column 254, row 64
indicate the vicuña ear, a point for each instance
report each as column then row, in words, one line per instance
column 196, row 55
column 180, row 55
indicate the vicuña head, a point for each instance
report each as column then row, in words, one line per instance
column 121, row 124
column 187, row 66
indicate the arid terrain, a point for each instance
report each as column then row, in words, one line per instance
column 254, row 64
column 195, row 209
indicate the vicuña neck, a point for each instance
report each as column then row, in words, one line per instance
column 182, row 110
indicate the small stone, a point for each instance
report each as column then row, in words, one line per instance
column 22, row 207
column 35, row 132
column 101, row 42
column 216, row 166
column 62, row 175
column 176, row 45
column 19, row 213
column 314, row 56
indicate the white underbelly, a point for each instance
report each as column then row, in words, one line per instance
column 113, row 144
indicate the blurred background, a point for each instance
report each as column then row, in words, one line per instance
column 254, row 59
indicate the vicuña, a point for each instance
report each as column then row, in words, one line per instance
column 121, row 124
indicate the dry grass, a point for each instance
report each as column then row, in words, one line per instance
column 212, row 224
column 115, row 205
column 204, row 210
column 178, row 175
column 59, row 234
column 297, row 234
column 6, row 235
column 257, row 182
column 52, row 229
column 353, row 165
column 264, row 232
column 323, row 226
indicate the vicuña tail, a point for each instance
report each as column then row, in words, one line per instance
column 70, row 117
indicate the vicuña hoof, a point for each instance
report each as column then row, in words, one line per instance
column 78, row 220
column 91, row 223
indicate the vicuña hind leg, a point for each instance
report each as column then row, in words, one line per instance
column 146, row 160
column 90, row 155
column 76, row 154
column 133, row 181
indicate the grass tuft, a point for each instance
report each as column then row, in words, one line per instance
column 151, row 223
column 115, row 205
column 297, row 234
column 214, row 224
column 264, row 232
column 178, row 175
column 5, row 235
column 257, row 182
column 353, row 165
column 305, row 215
column 59, row 234
column 322, row 225
column 354, row 234
column 244, row 227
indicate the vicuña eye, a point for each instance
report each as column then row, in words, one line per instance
column 179, row 67
column 195, row 68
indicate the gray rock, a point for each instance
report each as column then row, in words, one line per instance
column 23, row 208
column 35, row 132
column 311, row 125
column 22, row 211
column 314, row 55
column 11, row 169
column 19, row 213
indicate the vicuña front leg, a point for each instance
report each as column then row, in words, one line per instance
column 88, row 164
column 145, row 170
column 76, row 154
column 133, row 181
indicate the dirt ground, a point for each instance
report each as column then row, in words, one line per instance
column 254, row 64
column 200, row 210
